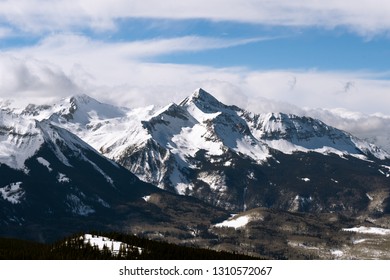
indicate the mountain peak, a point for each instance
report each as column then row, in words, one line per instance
column 200, row 93
column 82, row 108
column 82, row 99
column 204, row 101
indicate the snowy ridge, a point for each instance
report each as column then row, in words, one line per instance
column 291, row 133
column 199, row 122
column 79, row 109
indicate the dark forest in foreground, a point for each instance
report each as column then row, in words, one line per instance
column 72, row 248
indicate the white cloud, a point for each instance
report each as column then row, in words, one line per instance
column 31, row 79
column 70, row 43
column 319, row 89
column 373, row 127
column 366, row 17
column 96, row 57
column 63, row 65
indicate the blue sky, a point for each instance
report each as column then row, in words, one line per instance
column 322, row 50
column 282, row 47
column 276, row 48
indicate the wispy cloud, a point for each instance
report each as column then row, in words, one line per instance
column 366, row 17
column 73, row 45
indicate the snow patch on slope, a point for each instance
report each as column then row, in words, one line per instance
column 235, row 222
column 239, row 221
column 62, row 178
column 215, row 180
column 190, row 140
column 199, row 115
column 256, row 151
column 369, row 230
column 77, row 206
column 45, row 163
column 337, row 253
column 12, row 193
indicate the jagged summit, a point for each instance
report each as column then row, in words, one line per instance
column 205, row 102
column 202, row 95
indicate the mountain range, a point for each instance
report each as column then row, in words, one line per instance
column 80, row 164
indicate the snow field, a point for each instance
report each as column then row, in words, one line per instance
column 235, row 222
column 112, row 245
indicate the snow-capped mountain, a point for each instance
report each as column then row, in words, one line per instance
column 229, row 157
column 52, row 181
column 290, row 133
column 68, row 166
column 53, row 184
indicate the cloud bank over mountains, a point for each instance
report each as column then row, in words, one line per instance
column 52, row 49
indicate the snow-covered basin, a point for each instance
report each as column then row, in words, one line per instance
column 369, row 230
